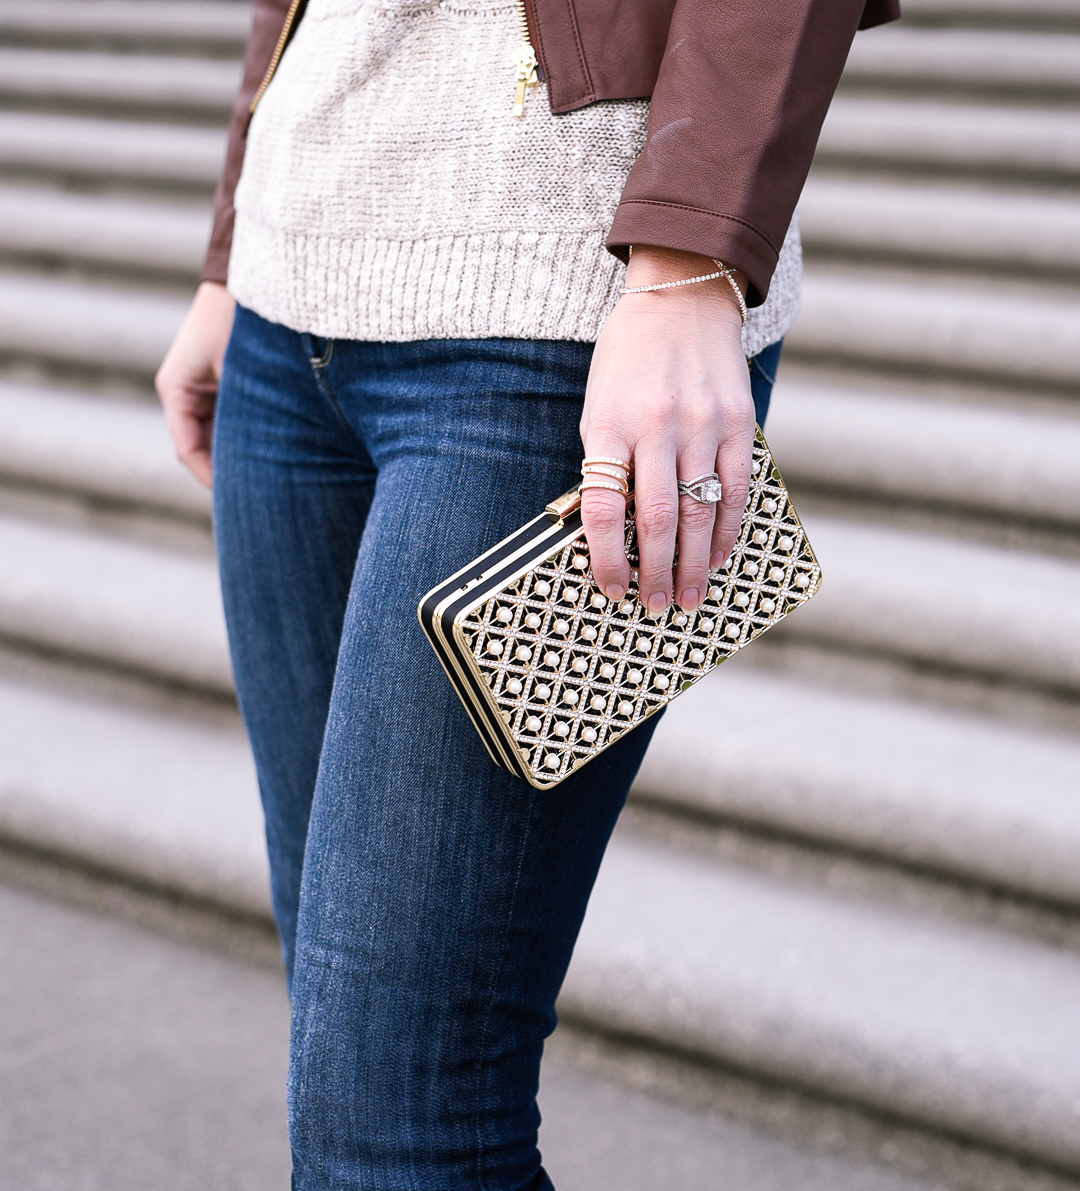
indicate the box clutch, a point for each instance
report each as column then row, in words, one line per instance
column 552, row 672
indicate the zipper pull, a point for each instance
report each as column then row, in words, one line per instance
column 526, row 64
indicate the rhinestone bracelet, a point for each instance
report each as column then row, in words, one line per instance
column 725, row 271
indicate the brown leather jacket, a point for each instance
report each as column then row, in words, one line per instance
column 739, row 92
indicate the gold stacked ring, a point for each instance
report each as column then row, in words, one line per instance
column 622, row 488
column 603, row 471
column 605, row 459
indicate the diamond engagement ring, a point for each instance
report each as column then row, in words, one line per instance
column 704, row 489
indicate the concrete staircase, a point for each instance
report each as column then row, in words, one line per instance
column 851, row 864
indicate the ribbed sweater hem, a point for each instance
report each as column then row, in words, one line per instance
column 521, row 285
column 515, row 285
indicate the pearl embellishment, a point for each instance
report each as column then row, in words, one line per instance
column 552, row 659
column 679, row 619
column 617, row 639
column 697, row 656
column 542, row 692
column 570, row 594
column 570, row 696
column 643, row 645
column 505, row 615
column 769, row 505
column 785, row 543
column 588, row 735
column 533, row 723
column 802, row 580
column 750, row 568
column 768, row 606
column 755, row 468
column 588, row 633
column 671, row 650
column 562, row 729
column 598, row 601
column 562, row 627
column 776, row 574
column 626, row 707
column 662, row 681
column 715, row 593
column 532, row 621
column 542, row 589
column 741, row 599
column 495, row 647
column 598, row 703
column 551, row 761
column 580, row 665
column 732, row 631
column 760, row 537
column 607, row 670
column 581, row 563
column 627, row 607
column 523, row 653
column 633, row 677
column 706, row 625
column 514, row 686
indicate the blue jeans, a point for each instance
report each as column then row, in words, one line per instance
column 428, row 902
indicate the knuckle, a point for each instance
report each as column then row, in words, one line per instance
column 603, row 517
column 695, row 515
column 658, row 517
column 736, row 493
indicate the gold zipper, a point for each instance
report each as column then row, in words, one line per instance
column 279, row 49
column 525, row 62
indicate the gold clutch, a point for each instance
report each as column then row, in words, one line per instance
column 552, row 672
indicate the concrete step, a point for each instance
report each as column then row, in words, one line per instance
column 940, row 326
column 118, row 603
column 940, row 225
column 103, row 230
column 113, row 151
column 77, row 323
column 1010, row 463
column 952, row 138
column 212, row 26
column 163, row 801
column 959, row 1029
column 995, row 61
column 139, row 81
column 1014, row 14
column 944, row 602
column 913, row 1015
column 962, row 605
column 974, row 799
column 118, row 451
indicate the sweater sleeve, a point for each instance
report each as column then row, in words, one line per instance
column 268, row 22
column 738, row 105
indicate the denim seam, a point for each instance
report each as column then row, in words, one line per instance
column 757, row 364
column 322, row 381
column 319, row 362
column 485, row 1028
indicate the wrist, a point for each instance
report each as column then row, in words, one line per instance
column 652, row 266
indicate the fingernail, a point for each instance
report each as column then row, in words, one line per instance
column 614, row 591
column 656, row 604
column 689, row 599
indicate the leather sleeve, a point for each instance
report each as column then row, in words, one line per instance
column 736, row 111
column 267, row 23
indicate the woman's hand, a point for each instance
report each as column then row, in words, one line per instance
column 187, row 381
column 669, row 391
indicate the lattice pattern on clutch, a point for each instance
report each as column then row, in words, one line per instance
column 568, row 672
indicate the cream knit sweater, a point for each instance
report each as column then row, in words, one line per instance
column 389, row 193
